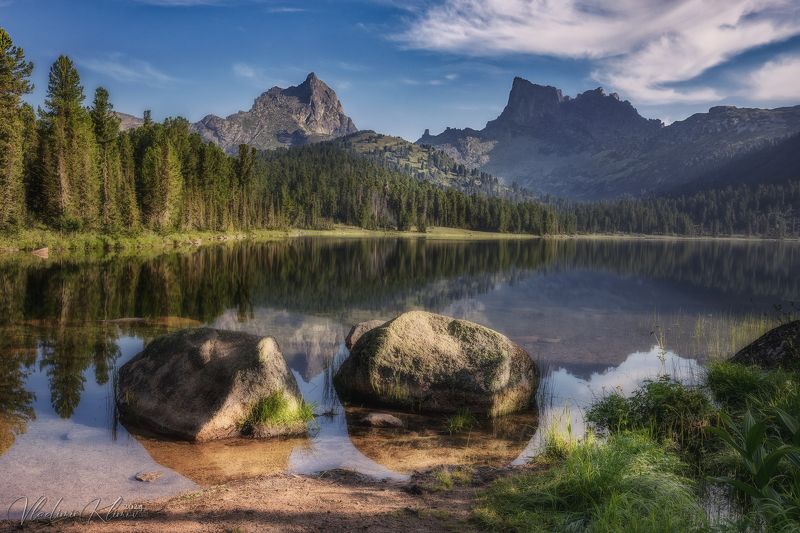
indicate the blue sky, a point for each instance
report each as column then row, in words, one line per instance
column 402, row 66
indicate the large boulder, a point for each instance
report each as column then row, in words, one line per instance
column 433, row 363
column 204, row 384
column 777, row 348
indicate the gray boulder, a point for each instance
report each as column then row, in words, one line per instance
column 434, row 363
column 777, row 348
column 205, row 384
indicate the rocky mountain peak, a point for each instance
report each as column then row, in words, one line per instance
column 529, row 101
column 308, row 112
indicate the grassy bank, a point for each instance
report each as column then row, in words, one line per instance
column 64, row 242
column 722, row 455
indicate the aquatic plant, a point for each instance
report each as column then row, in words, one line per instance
column 769, row 470
column 628, row 483
column 462, row 421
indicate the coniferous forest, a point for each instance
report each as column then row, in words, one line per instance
column 66, row 166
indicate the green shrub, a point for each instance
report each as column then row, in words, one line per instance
column 768, row 468
column 628, row 483
column 666, row 408
column 732, row 384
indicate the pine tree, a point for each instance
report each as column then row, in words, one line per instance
column 14, row 82
column 106, row 128
column 67, row 166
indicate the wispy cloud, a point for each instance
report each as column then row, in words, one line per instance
column 286, row 9
column 646, row 49
column 128, row 70
column 778, row 79
column 181, row 3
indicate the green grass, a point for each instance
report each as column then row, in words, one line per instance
column 461, row 421
column 668, row 410
column 278, row 409
column 628, row 483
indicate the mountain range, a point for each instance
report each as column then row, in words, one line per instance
column 591, row 146
column 596, row 146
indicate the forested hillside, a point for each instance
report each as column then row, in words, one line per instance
column 767, row 210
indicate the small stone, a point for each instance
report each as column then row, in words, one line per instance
column 148, row 477
column 382, row 420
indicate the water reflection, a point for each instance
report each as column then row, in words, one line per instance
column 581, row 307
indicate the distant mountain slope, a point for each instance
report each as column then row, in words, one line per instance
column 128, row 122
column 422, row 162
column 597, row 146
column 777, row 162
column 309, row 112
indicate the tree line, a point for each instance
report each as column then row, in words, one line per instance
column 68, row 167
column 767, row 210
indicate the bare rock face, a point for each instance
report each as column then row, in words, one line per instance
column 358, row 330
column 302, row 114
column 202, row 384
column 777, row 348
column 433, row 363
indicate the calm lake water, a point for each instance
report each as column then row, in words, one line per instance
column 595, row 314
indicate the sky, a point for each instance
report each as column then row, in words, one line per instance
column 400, row 67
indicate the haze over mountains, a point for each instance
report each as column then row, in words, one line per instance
column 596, row 146
column 588, row 147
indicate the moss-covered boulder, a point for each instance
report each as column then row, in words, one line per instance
column 205, row 384
column 433, row 363
column 777, row 348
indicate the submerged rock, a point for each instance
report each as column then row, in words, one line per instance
column 358, row 330
column 148, row 477
column 434, row 363
column 381, row 420
column 778, row 348
column 204, row 384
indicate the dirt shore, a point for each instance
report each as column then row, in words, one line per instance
column 331, row 501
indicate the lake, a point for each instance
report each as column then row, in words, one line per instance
column 596, row 315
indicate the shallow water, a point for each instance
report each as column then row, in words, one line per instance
column 596, row 315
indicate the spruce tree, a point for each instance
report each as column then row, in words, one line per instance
column 106, row 128
column 14, row 82
column 67, row 164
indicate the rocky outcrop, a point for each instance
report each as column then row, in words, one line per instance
column 433, row 363
column 309, row 112
column 203, row 384
column 778, row 348
column 358, row 330
column 596, row 145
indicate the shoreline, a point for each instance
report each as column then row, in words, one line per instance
column 85, row 243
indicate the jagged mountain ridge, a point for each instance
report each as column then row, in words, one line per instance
column 597, row 146
column 297, row 115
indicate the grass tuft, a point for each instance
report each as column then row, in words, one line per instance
column 278, row 409
column 628, row 483
column 461, row 421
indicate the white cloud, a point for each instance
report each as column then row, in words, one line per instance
column 243, row 70
column 284, row 9
column 121, row 68
column 642, row 48
column 778, row 79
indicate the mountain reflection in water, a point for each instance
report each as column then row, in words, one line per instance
column 585, row 308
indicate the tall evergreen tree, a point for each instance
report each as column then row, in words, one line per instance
column 14, row 82
column 106, row 128
column 67, row 167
